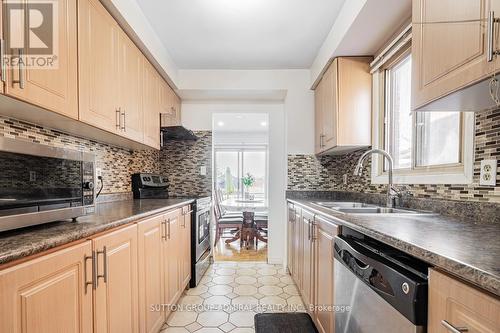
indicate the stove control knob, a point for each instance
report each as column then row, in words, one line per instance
column 88, row 185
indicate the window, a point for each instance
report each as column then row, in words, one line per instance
column 427, row 147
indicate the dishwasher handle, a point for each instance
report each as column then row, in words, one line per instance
column 403, row 290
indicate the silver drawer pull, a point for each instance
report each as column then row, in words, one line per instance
column 452, row 328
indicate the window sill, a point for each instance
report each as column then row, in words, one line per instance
column 462, row 178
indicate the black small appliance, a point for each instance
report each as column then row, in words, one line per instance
column 149, row 186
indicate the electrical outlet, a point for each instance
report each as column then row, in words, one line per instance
column 203, row 170
column 488, row 174
column 98, row 172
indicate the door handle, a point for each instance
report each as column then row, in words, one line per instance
column 123, row 127
column 168, row 223
column 104, row 276
column 452, row 328
column 92, row 282
column 20, row 69
column 118, row 118
column 2, row 60
column 490, row 48
column 164, row 228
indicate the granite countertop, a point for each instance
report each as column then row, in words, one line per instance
column 467, row 250
column 17, row 244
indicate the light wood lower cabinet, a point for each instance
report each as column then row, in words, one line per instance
column 116, row 294
column 325, row 233
column 307, row 255
column 48, row 294
column 311, row 241
column 185, row 246
column 453, row 304
column 115, row 282
column 171, row 251
column 151, row 273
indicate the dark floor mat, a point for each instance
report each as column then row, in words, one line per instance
column 284, row 322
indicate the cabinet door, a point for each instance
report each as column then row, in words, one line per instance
column 170, row 106
column 330, row 107
column 449, row 46
column 172, row 256
column 323, row 275
column 48, row 294
column 151, row 105
column 151, row 273
column 454, row 303
column 98, row 38
column 318, row 117
column 116, row 295
column 298, row 249
column 51, row 87
column 130, row 103
column 185, row 247
column 307, row 259
column 290, row 234
column 177, row 109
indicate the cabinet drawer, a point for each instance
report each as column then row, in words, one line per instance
column 456, row 304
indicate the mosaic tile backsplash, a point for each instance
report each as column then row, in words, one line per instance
column 181, row 161
column 117, row 164
column 325, row 173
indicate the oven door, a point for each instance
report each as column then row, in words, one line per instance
column 202, row 230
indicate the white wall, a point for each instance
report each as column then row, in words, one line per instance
column 298, row 103
column 198, row 116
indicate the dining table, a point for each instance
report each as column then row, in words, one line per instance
column 245, row 205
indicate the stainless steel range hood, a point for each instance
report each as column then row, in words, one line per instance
column 170, row 133
column 474, row 98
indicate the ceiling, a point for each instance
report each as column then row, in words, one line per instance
column 240, row 123
column 242, row 34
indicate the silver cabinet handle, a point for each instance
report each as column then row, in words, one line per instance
column 2, row 59
column 168, row 223
column 452, row 328
column 20, row 68
column 321, row 140
column 118, row 118
column 313, row 225
column 490, row 50
column 164, row 228
column 104, row 276
column 123, row 125
column 308, row 230
column 92, row 282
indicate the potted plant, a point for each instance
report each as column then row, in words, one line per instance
column 248, row 182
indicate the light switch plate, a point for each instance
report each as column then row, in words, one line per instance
column 98, row 172
column 488, row 174
column 203, row 170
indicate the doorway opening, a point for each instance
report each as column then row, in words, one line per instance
column 240, row 151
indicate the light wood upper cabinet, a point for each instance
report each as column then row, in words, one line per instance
column 323, row 274
column 151, row 105
column 116, row 295
column 185, row 247
column 48, row 294
column 449, row 46
column 131, row 62
column 459, row 305
column 56, row 88
column 170, row 106
column 343, row 106
column 151, row 273
column 98, row 54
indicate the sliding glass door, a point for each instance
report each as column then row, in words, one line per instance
column 241, row 173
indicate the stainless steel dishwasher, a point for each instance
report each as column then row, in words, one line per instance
column 377, row 288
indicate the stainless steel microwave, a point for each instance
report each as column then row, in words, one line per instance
column 40, row 184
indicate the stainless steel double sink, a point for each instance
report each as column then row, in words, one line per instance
column 363, row 208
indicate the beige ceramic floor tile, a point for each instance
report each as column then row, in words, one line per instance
column 245, row 290
column 182, row 318
column 245, row 279
column 212, row 318
column 242, row 318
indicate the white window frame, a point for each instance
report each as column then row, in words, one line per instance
column 461, row 173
